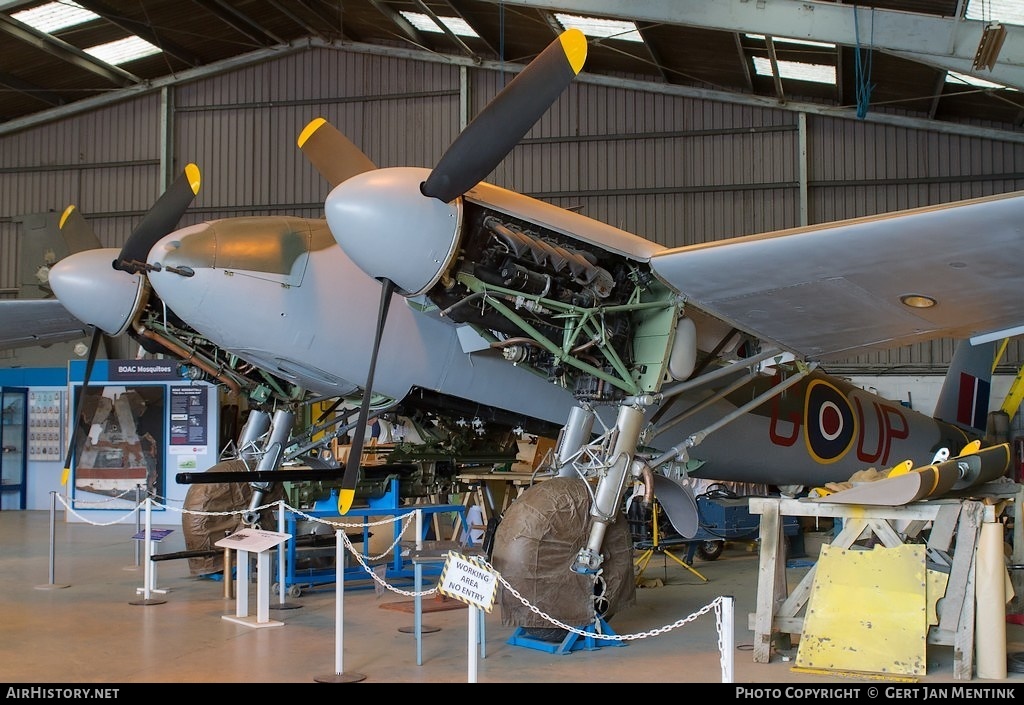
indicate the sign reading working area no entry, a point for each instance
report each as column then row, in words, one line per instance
column 469, row 581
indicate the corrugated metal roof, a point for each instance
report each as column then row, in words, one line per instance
column 700, row 45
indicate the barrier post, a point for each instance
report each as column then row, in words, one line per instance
column 138, row 519
column 53, row 517
column 146, row 598
column 474, row 638
column 728, row 638
column 339, row 675
column 281, row 555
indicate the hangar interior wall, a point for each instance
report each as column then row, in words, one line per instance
column 678, row 170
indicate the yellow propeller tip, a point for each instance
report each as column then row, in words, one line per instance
column 574, row 45
column 972, row 447
column 345, row 498
column 901, row 469
column 309, row 129
column 193, row 176
column 64, row 476
column 64, row 216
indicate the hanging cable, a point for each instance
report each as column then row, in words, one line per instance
column 501, row 36
column 862, row 67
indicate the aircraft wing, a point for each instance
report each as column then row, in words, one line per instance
column 28, row 323
column 835, row 289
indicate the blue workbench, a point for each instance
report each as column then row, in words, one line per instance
column 399, row 566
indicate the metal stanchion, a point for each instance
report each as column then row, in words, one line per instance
column 474, row 640
column 339, row 675
column 53, row 514
column 728, row 638
column 138, row 524
column 147, row 590
column 418, row 627
column 282, row 605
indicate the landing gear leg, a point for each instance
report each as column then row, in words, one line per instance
column 608, row 495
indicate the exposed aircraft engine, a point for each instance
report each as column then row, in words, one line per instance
column 532, row 289
column 538, row 538
column 533, row 265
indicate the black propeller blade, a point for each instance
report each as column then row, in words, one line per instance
column 77, row 236
column 160, row 220
column 94, row 347
column 347, row 492
column 502, row 124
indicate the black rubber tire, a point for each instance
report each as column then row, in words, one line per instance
column 710, row 550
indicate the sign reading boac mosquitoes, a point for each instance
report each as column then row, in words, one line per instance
column 469, row 581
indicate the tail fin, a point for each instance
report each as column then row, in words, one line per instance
column 964, row 397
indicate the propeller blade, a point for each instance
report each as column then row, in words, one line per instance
column 502, row 124
column 77, row 233
column 347, row 492
column 160, row 220
column 78, row 236
column 331, row 153
column 94, row 347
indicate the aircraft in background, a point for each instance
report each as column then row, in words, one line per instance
column 658, row 364
column 31, row 322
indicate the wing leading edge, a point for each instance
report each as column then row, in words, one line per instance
column 835, row 290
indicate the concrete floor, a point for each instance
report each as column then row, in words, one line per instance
column 85, row 625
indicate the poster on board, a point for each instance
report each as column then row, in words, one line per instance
column 119, row 444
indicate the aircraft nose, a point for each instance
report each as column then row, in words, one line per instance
column 88, row 286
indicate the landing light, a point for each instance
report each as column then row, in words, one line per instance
column 917, row 301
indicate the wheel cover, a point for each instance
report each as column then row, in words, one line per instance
column 535, row 543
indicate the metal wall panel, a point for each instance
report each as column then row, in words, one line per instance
column 105, row 162
column 9, row 278
column 242, row 131
column 675, row 170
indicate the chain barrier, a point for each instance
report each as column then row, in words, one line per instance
column 71, row 510
column 406, row 520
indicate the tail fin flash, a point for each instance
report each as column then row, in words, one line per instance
column 964, row 397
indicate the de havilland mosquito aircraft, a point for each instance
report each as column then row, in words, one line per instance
column 658, row 364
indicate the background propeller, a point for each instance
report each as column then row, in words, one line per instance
column 160, row 220
column 75, row 231
column 332, row 153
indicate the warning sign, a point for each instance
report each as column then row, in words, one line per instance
column 468, row 581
